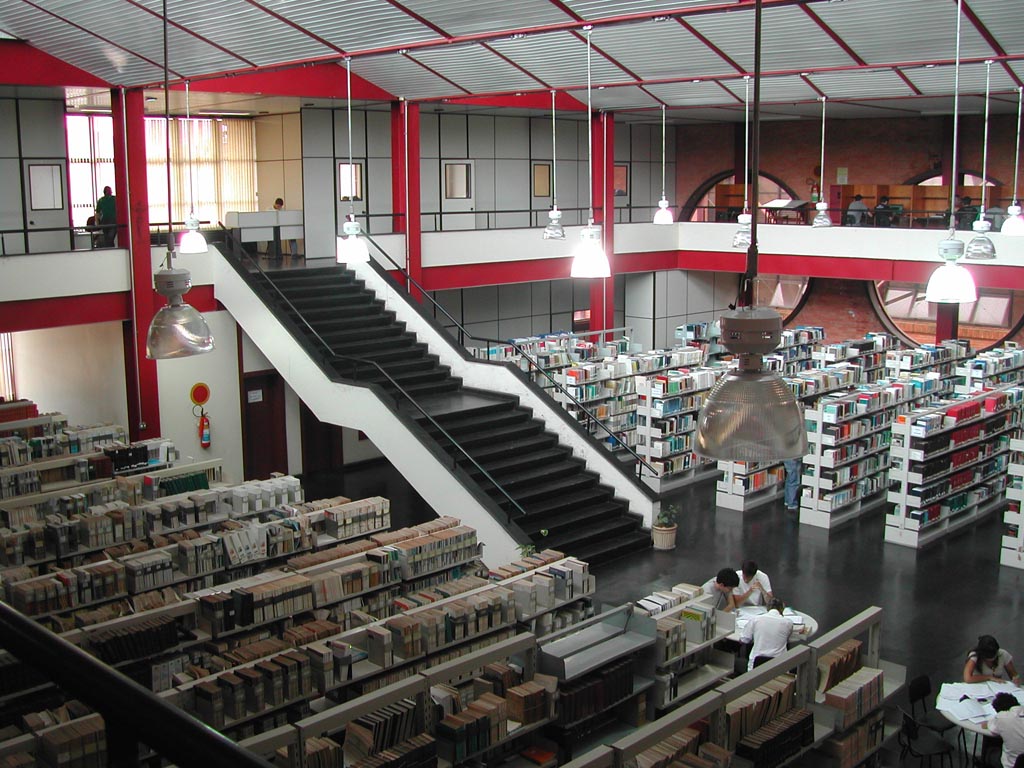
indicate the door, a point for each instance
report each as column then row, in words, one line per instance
column 46, row 202
column 458, row 187
column 266, row 449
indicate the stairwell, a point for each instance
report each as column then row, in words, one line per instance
column 559, row 502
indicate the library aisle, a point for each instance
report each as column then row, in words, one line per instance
column 936, row 600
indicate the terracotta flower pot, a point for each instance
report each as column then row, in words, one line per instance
column 664, row 538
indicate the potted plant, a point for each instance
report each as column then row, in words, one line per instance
column 664, row 529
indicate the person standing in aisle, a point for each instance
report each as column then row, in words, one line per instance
column 106, row 217
column 755, row 588
column 293, row 245
column 794, row 471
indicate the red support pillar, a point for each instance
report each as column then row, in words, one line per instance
column 130, row 179
column 405, row 186
column 602, row 292
column 947, row 322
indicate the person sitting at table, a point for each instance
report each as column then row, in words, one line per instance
column 883, row 213
column 989, row 662
column 722, row 587
column 770, row 633
column 857, row 211
column 755, row 587
column 1008, row 724
column 966, row 213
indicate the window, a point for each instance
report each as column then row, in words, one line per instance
column 620, row 180
column 542, row 179
column 458, row 181
column 46, row 187
column 350, row 176
column 8, row 391
column 90, row 162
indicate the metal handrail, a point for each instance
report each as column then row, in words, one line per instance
column 132, row 713
column 464, row 334
column 332, row 355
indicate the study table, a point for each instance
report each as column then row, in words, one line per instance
column 800, row 619
column 969, row 705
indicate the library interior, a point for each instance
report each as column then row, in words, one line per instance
column 603, row 383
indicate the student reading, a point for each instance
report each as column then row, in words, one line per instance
column 1008, row 723
column 989, row 662
column 754, row 587
column 722, row 587
column 770, row 633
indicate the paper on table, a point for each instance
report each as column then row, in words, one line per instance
column 957, row 690
column 969, row 709
column 1001, row 686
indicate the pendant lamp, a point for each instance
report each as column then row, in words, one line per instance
column 663, row 215
column 981, row 247
column 192, row 240
column 351, row 248
column 952, row 283
column 821, row 218
column 742, row 237
column 177, row 330
column 589, row 259
column 750, row 414
column 554, row 230
column 1014, row 224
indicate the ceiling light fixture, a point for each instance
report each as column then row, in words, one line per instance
column 663, row 215
column 177, row 330
column 554, row 230
column 192, row 240
column 952, row 283
column 1014, row 224
column 590, row 260
column 981, row 247
column 751, row 415
column 821, row 218
column 352, row 248
column 742, row 237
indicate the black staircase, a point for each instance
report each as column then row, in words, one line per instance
column 566, row 507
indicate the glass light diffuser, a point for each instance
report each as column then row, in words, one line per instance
column 742, row 237
column 192, row 242
column 750, row 414
column 352, row 248
column 951, row 283
column 554, row 230
column 980, row 248
column 1014, row 223
column 821, row 218
column 589, row 259
column 663, row 215
column 177, row 330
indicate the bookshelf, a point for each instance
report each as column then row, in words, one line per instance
column 795, row 351
column 992, row 368
column 703, row 335
column 869, row 353
column 949, row 463
column 1011, row 550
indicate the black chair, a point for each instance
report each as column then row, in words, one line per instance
column 920, row 690
column 922, row 744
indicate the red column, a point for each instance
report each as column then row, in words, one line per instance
column 405, row 153
column 602, row 293
column 947, row 322
column 133, row 213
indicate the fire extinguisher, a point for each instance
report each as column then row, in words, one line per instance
column 204, row 426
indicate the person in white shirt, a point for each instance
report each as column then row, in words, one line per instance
column 1008, row 724
column 989, row 662
column 858, row 211
column 754, row 588
column 722, row 587
column 770, row 633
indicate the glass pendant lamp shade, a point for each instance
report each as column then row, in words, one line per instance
column 192, row 240
column 590, row 259
column 981, row 247
column 663, row 215
column 177, row 330
column 352, row 248
column 1014, row 223
column 750, row 414
column 951, row 283
column 821, row 218
column 742, row 237
column 554, row 230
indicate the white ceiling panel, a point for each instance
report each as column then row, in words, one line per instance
column 623, row 97
column 601, row 9
column 939, row 80
column 476, row 69
column 457, row 17
column 243, row 29
column 659, row 50
column 683, row 94
column 881, row 31
column 354, row 25
column 705, row 115
column 1003, row 20
column 789, row 88
column 402, row 76
column 559, row 59
column 880, row 82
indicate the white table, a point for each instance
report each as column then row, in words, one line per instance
column 968, row 705
column 746, row 612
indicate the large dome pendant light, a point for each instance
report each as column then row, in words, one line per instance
column 352, row 248
column 952, row 283
column 663, row 215
column 751, row 415
column 192, row 240
column 981, row 247
column 821, row 218
column 177, row 330
column 590, row 260
column 742, row 237
column 1014, row 224
column 554, row 230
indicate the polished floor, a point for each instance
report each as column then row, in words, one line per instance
column 936, row 601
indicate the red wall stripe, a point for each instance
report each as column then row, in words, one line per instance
column 32, row 314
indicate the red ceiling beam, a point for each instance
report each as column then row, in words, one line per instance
column 317, row 81
column 21, row 64
column 711, row 46
column 530, row 100
column 833, row 35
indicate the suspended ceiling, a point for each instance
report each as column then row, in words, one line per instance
column 870, row 58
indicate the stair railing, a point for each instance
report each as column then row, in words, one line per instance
column 463, row 335
column 330, row 356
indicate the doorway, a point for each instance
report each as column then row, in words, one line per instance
column 266, row 449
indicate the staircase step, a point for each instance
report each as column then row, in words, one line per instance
column 554, row 523
column 594, row 495
column 572, row 540
column 489, row 451
column 408, row 378
column 425, row 389
column 384, row 356
column 324, row 289
column 328, row 324
column 502, row 435
column 317, row 314
column 598, row 552
column 532, row 476
column 305, row 303
column 303, row 275
column 553, row 489
column 502, row 465
column 365, row 347
column 487, row 422
column 362, row 333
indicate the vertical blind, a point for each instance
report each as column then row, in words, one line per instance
column 8, row 391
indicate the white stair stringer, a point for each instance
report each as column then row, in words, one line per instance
column 493, row 377
column 360, row 408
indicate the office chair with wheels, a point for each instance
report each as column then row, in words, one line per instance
column 922, row 744
column 920, row 690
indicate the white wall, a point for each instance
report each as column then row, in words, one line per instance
column 74, row 273
column 657, row 302
column 77, row 370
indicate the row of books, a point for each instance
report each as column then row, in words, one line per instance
column 380, row 730
column 27, row 480
column 596, row 692
column 857, row 695
column 483, row 724
column 68, row 589
column 849, row 749
column 778, row 740
column 753, row 710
